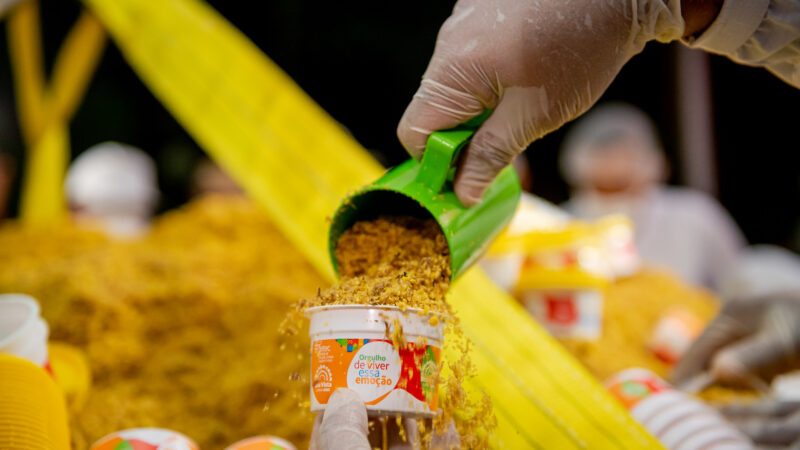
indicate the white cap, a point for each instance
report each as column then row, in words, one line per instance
column 115, row 184
column 607, row 124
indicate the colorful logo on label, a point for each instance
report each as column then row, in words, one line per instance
column 323, row 377
column 352, row 344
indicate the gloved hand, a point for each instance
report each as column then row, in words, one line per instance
column 536, row 63
column 770, row 422
column 344, row 424
column 750, row 339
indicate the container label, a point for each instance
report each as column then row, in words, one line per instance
column 374, row 368
column 631, row 391
column 567, row 313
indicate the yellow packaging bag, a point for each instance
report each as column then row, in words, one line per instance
column 559, row 268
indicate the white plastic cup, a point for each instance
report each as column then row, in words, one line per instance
column 158, row 438
column 350, row 349
column 23, row 332
column 673, row 417
column 262, row 443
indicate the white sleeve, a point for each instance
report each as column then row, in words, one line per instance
column 763, row 33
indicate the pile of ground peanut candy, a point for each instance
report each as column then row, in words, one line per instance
column 179, row 327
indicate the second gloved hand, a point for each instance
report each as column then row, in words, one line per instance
column 536, row 63
column 343, row 424
column 750, row 340
column 770, row 422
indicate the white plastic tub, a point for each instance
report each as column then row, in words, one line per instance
column 350, row 349
column 23, row 332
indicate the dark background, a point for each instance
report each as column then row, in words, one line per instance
column 362, row 61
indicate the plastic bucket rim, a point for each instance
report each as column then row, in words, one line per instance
column 371, row 188
column 33, row 313
column 414, row 322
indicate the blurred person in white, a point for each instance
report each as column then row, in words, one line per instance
column 113, row 187
column 539, row 64
column 614, row 162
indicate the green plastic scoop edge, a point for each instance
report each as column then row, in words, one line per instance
column 425, row 189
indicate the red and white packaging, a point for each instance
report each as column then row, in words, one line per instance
column 567, row 313
column 674, row 333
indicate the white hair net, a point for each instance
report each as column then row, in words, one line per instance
column 608, row 124
column 113, row 182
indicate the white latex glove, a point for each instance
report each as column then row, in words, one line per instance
column 344, row 424
column 536, row 63
column 750, row 339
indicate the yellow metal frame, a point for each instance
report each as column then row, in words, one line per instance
column 44, row 111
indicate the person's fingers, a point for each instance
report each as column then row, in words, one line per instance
column 314, row 444
column 435, row 106
column 344, row 424
column 737, row 319
column 765, row 408
column 755, row 359
column 771, row 351
column 772, row 432
column 504, row 135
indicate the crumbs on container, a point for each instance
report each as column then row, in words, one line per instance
column 405, row 262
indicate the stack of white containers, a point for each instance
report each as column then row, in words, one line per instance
column 677, row 420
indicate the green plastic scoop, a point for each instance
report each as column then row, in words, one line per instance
column 425, row 189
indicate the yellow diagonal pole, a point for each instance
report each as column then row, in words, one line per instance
column 298, row 163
